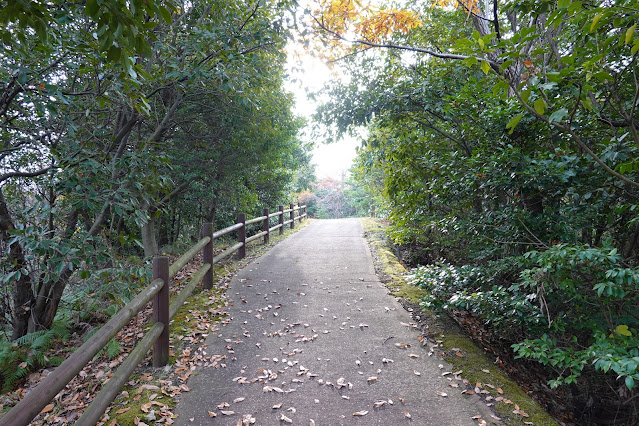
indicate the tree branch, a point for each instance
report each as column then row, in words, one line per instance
column 402, row 47
column 40, row 172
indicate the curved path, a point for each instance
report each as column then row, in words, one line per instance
column 314, row 330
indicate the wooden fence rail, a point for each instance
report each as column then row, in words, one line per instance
column 158, row 335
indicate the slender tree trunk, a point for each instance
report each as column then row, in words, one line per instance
column 21, row 288
column 148, row 233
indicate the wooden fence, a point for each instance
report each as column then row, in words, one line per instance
column 158, row 335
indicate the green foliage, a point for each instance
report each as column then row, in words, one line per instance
column 125, row 126
column 519, row 161
column 29, row 353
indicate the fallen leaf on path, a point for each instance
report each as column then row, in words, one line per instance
column 211, row 414
column 407, row 414
column 283, row 418
column 240, row 399
column 413, row 355
column 372, row 379
column 247, row 419
column 378, row 404
column 417, row 373
column 500, row 391
column 360, row 413
column 277, row 406
column 444, row 394
column 227, row 412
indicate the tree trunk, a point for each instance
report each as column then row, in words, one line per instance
column 21, row 288
column 148, row 237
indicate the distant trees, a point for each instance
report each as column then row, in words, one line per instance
column 125, row 122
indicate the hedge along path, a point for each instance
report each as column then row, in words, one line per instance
column 315, row 338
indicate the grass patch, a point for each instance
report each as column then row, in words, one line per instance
column 450, row 337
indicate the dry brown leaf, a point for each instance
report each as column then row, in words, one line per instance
column 444, row 394
column 227, row 412
column 372, row 379
column 240, row 399
column 417, row 373
column 407, row 414
column 360, row 413
column 413, row 355
column 122, row 410
column 277, row 406
column 212, row 414
column 47, row 408
column 379, row 403
column 500, row 391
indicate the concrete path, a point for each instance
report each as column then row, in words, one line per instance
column 315, row 338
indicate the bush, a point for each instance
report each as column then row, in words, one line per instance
column 573, row 308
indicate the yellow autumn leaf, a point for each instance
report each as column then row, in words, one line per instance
column 623, row 330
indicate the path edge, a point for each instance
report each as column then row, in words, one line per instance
column 392, row 274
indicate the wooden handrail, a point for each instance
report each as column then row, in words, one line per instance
column 33, row 402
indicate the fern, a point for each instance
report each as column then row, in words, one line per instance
column 112, row 348
column 28, row 353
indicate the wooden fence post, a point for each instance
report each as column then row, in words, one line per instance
column 301, row 211
column 292, row 216
column 241, row 236
column 281, row 220
column 161, row 311
column 207, row 255
column 266, row 226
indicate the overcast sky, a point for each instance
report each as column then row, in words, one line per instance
column 333, row 159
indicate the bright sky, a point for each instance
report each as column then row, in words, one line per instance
column 332, row 160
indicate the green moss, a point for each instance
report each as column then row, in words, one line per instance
column 135, row 407
column 391, row 271
column 451, row 339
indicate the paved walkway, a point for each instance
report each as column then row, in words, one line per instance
column 315, row 338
